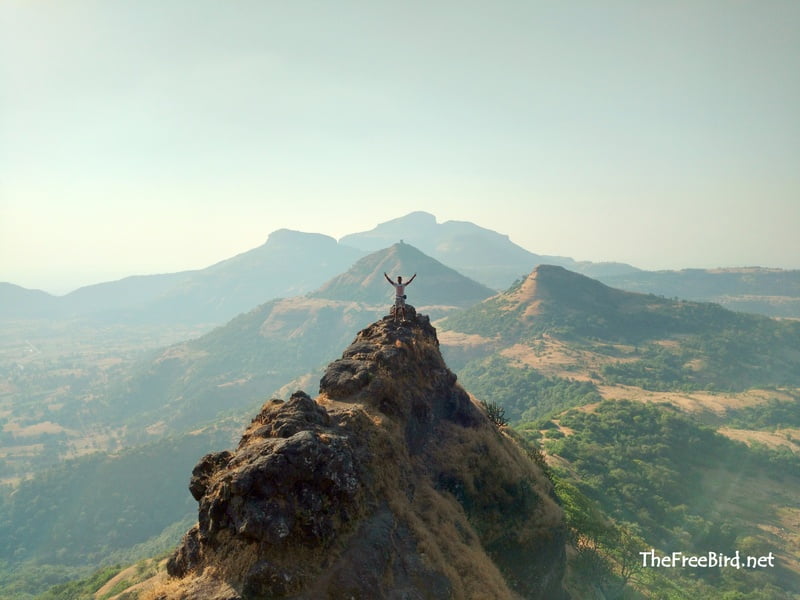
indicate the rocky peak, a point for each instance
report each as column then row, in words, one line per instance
column 397, row 369
column 392, row 483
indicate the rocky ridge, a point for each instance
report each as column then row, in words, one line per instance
column 393, row 483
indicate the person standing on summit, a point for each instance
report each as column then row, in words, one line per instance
column 399, row 293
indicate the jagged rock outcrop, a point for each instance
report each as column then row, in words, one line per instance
column 392, row 484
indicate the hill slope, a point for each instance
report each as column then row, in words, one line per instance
column 638, row 464
column 392, row 483
column 435, row 284
column 102, row 507
column 635, row 338
column 665, row 482
column 231, row 368
column 21, row 303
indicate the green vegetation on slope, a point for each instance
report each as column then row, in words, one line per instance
column 88, row 508
column 678, row 345
column 235, row 366
column 82, row 589
column 495, row 316
column 522, row 392
column 747, row 352
column 774, row 414
column 574, row 306
column 678, row 485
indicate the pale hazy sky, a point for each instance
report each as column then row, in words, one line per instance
column 151, row 136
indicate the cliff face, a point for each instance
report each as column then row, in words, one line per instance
column 391, row 484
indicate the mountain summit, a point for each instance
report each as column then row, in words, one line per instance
column 435, row 285
column 558, row 289
column 555, row 300
column 393, row 483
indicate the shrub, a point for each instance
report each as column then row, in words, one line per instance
column 496, row 413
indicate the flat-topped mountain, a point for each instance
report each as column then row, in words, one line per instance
column 290, row 263
column 392, row 483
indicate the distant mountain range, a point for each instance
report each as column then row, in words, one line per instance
column 482, row 254
column 287, row 264
column 626, row 337
column 291, row 263
column 553, row 340
column 234, row 365
column 771, row 292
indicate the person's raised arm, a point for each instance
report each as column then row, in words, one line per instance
column 412, row 279
column 387, row 278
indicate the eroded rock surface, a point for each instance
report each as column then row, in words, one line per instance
column 391, row 484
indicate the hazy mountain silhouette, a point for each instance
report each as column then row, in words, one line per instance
column 128, row 294
column 482, row 254
column 292, row 263
column 21, row 303
column 772, row 292
column 287, row 264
